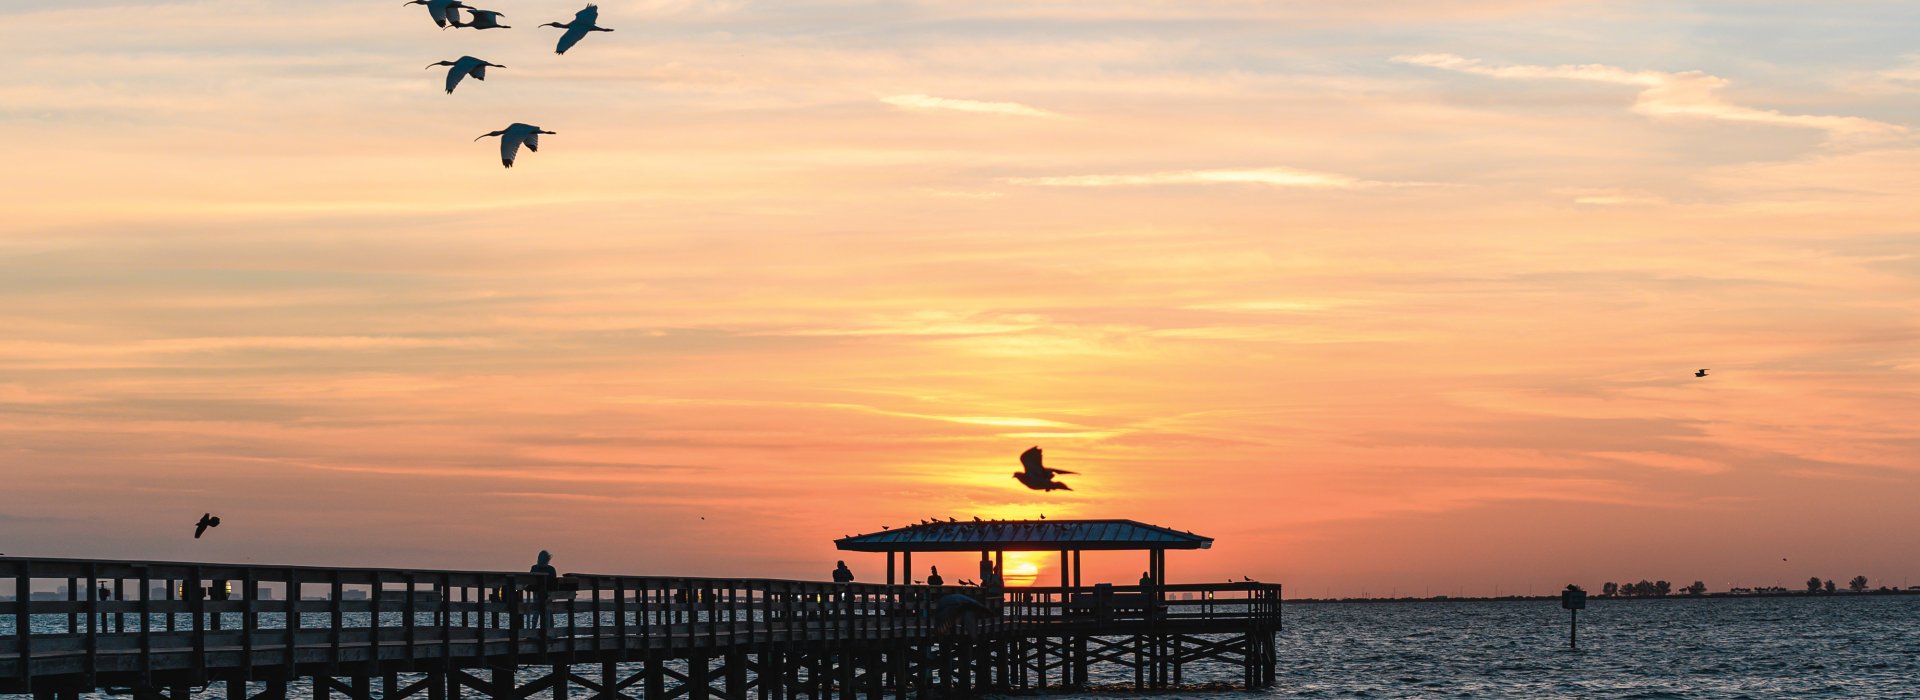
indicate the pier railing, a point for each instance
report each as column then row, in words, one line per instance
column 85, row 617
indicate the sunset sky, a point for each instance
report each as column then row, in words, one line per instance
column 1385, row 296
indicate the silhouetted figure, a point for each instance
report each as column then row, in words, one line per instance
column 437, row 9
column 206, row 521
column 482, row 19
column 991, row 579
column 543, row 565
column 1037, row 476
column 543, row 589
column 463, row 67
column 511, row 138
column 103, row 593
column 842, row 574
column 1146, row 580
column 933, row 577
column 1700, row 373
column 954, row 608
column 583, row 22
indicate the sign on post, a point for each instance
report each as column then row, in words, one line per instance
column 1573, row 600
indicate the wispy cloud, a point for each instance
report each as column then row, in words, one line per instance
column 1662, row 94
column 1613, row 198
column 920, row 102
column 1272, row 177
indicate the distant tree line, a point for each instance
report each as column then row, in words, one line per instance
column 1661, row 589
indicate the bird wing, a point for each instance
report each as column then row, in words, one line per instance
column 509, row 146
column 573, row 36
column 533, row 144
column 479, row 72
column 588, row 15
column 438, row 10
column 199, row 529
column 454, row 75
column 1031, row 459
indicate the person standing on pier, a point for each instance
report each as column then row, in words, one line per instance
column 933, row 577
column 541, row 591
column 842, row 574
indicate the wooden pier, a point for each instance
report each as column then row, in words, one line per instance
column 160, row 630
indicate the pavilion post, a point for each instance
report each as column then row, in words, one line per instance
column 1066, row 570
column 906, row 567
column 889, row 567
column 1076, row 569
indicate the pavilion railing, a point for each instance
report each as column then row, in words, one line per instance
column 1259, row 603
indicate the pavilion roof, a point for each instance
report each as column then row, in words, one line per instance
column 1024, row 535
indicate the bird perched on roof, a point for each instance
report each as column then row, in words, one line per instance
column 1700, row 373
column 482, row 19
column 583, row 21
column 976, row 518
column 207, row 520
column 511, row 138
column 1037, row 476
column 463, row 67
column 438, row 9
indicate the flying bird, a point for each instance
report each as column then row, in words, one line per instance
column 1700, row 373
column 465, row 66
column 206, row 521
column 511, row 138
column 583, row 22
column 482, row 19
column 439, row 10
column 1037, row 476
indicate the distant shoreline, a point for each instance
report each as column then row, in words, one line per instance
column 1555, row 598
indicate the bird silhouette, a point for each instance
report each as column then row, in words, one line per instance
column 482, row 19
column 1037, row 476
column 206, row 521
column 511, row 138
column 884, row 527
column 976, row 518
column 438, row 9
column 583, row 21
column 1700, row 373
column 463, row 67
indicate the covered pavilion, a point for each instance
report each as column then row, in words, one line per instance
column 994, row 538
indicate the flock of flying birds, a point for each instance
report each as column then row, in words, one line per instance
column 447, row 14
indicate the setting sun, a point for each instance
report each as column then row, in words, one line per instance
column 1023, row 568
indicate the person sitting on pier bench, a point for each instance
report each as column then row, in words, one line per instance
column 933, row 577
column 956, row 610
column 842, row 574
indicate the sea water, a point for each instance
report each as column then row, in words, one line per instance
column 1693, row 648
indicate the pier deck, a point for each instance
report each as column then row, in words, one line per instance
column 166, row 629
